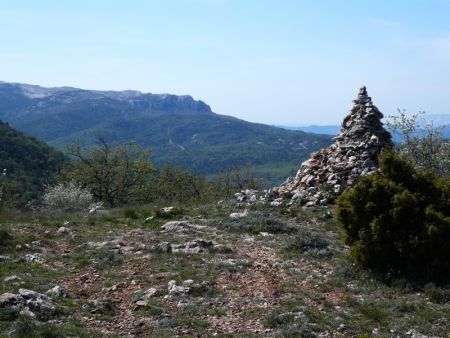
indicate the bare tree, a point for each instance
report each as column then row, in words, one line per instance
column 114, row 173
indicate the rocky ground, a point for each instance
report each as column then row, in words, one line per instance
column 197, row 272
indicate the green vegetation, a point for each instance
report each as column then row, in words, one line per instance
column 5, row 238
column 35, row 175
column 26, row 165
column 397, row 221
column 308, row 243
column 282, row 283
column 222, row 268
column 423, row 144
column 180, row 131
column 114, row 174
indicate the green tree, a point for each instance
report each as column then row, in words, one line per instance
column 26, row 166
column 422, row 142
column 173, row 184
column 115, row 174
column 232, row 180
column 397, row 221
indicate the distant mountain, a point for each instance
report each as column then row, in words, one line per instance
column 26, row 164
column 324, row 130
column 179, row 129
column 442, row 120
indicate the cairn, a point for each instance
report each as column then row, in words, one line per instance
column 354, row 153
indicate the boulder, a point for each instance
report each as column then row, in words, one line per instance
column 29, row 302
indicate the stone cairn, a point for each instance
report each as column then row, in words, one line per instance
column 354, row 153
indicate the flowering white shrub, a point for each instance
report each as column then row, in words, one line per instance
column 68, row 196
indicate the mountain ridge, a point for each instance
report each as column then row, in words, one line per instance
column 180, row 130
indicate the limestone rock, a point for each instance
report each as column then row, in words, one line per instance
column 165, row 247
column 181, row 226
column 57, row 291
column 195, row 246
column 35, row 258
column 13, row 280
column 354, row 153
column 238, row 215
column 143, row 297
column 29, row 302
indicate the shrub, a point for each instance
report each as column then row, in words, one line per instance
column 257, row 222
column 397, row 221
column 67, row 196
column 437, row 294
column 5, row 238
column 423, row 143
column 115, row 174
column 130, row 213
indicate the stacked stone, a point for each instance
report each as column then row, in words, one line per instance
column 353, row 154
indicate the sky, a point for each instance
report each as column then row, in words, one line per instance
column 284, row 62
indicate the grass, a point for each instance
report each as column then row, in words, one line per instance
column 258, row 221
column 314, row 286
column 308, row 243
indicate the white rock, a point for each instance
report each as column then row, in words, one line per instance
column 239, row 215
column 62, row 230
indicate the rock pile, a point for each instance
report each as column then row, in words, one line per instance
column 28, row 302
column 353, row 154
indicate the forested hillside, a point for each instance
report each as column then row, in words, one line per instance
column 26, row 164
column 179, row 129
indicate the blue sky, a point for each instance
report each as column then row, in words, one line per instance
column 289, row 62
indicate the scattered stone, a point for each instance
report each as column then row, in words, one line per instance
column 231, row 262
column 188, row 287
column 250, row 196
column 239, row 215
column 196, row 246
column 148, row 219
column 62, row 230
column 167, row 210
column 138, row 247
column 13, row 280
column 181, row 226
column 57, row 292
column 99, row 306
column 165, row 247
column 27, row 313
column 143, row 297
column 277, row 202
column 35, row 258
column 95, row 207
column 4, row 258
column 354, row 153
column 32, row 303
column 414, row 334
column 115, row 244
column 175, row 290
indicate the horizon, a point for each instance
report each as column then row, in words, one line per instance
column 299, row 63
